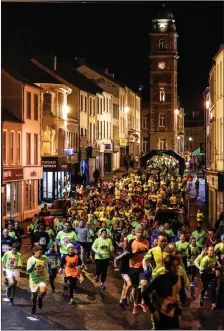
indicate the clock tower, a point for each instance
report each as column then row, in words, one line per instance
column 163, row 83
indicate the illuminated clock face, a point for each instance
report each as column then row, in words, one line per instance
column 162, row 26
column 162, row 65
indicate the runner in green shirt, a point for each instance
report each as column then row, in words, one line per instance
column 65, row 237
column 12, row 261
column 37, row 269
column 200, row 236
column 184, row 247
column 102, row 247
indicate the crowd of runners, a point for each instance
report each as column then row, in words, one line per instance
column 114, row 223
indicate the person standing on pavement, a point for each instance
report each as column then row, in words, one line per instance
column 169, row 296
column 12, row 261
column 37, row 269
column 197, row 184
column 83, row 236
column 102, row 248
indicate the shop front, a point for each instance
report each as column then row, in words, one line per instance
column 31, row 177
column 12, row 194
column 108, row 152
column 123, row 151
column 55, row 182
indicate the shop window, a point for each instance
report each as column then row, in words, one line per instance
column 29, row 195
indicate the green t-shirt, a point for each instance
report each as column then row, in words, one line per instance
column 183, row 247
column 130, row 237
column 104, row 247
column 135, row 224
column 207, row 263
column 12, row 234
column 91, row 235
column 219, row 247
column 57, row 224
column 12, row 261
column 200, row 237
column 66, row 238
column 169, row 232
column 38, row 273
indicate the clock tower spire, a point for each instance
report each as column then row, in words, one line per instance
column 163, row 82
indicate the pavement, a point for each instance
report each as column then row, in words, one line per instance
column 97, row 310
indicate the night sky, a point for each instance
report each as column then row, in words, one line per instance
column 115, row 36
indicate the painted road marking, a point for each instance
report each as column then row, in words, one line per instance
column 32, row 318
column 6, row 299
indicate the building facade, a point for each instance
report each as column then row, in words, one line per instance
column 194, row 135
column 145, row 128
column 163, row 83
column 214, row 108
column 129, row 107
column 23, row 99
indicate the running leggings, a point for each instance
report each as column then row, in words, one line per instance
column 206, row 280
column 72, row 285
column 101, row 268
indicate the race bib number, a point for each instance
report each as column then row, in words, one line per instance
column 39, row 270
column 168, row 307
column 66, row 241
column 53, row 263
column 12, row 263
column 42, row 241
column 5, row 248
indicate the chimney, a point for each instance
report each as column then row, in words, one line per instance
column 106, row 71
column 55, row 63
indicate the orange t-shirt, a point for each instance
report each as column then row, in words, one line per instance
column 142, row 247
column 71, row 266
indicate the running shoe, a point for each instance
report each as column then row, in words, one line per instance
column 11, row 302
column 125, row 302
column 97, row 279
column 201, row 301
column 206, row 295
column 33, row 311
column 121, row 305
column 192, row 284
column 135, row 310
column 102, row 287
column 8, row 292
column 213, row 306
column 72, row 302
column 40, row 302
column 144, row 307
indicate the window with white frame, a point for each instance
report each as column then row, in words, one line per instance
column 145, row 146
column 161, row 94
column 162, row 144
column 145, row 122
column 12, row 147
column 161, row 120
column 4, row 144
column 18, row 148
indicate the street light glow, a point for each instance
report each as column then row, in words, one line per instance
column 126, row 109
column 176, row 111
column 207, row 104
column 190, row 138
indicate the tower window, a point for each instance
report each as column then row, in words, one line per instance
column 161, row 94
column 161, row 44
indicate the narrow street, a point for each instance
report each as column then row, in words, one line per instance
column 98, row 310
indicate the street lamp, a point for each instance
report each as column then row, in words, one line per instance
column 176, row 111
column 126, row 109
column 191, row 139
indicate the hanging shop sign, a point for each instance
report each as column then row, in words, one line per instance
column 50, row 164
column 12, row 174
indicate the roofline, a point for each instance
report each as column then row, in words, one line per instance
column 20, row 81
column 221, row 48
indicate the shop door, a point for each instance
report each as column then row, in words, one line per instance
column 122, row 156
column 107, row 162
